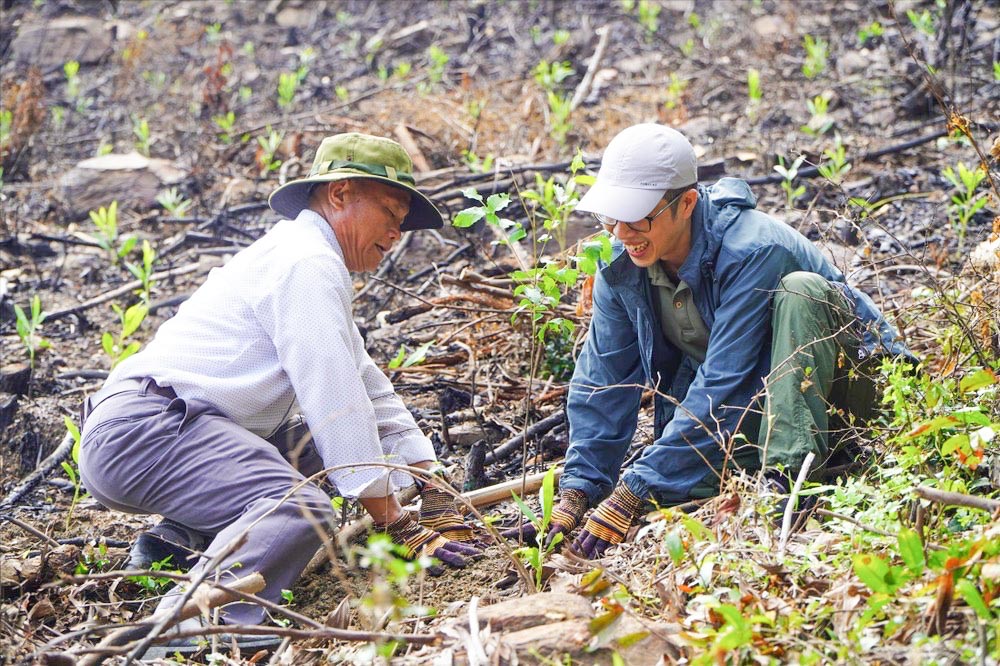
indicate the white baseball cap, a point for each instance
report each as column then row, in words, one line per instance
column 639, row 165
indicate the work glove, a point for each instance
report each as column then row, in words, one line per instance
column 438, row 511
column 418, row 540
column 608, row 524
column 566, row 515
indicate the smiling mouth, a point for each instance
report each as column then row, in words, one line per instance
column 637, row 249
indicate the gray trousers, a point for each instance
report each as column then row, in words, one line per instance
column 146, row 451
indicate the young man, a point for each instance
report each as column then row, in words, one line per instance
column 180, row 429
column 738, row 321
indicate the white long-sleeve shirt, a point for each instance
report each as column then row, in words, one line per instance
column 272, row 329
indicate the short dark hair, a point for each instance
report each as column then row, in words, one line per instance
column 675, row 193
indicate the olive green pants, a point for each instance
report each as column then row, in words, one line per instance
column 817, row 388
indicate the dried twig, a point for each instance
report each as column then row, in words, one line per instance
column 958, row 499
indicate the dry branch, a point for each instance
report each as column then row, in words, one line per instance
column 55, row 458
column 514, row 443
column 958, row 499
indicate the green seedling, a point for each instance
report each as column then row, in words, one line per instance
column 105, row 148
column 72, row 468
column 6, row 124
column 287, row 85
column 437, row 61
column 156, row 585
column 836, row 166
column 534, row 556
column 560, row 37
column 91, row 562
column 117, row 348
column 58, row 116
column 872, row 31
column 71, row 70
column 144, row 271
column 140, row 128
column 225, row 122
column 789, row 174
column 342, row 94
column 213, row 32
column 996, row 72
column 245, row 93
column 550, row 77
column 553, row 201
column 174, row 202
column 416, row 357
column 248, row 48
column 649, row 17
column 476, row 163
column 675, row 91
column 817, row 50
column 687, row 48
column 965, row 202
column 29, row 329
column 269, row 145
column 820, row 121
column 157, row 80
column 754, row 92
column 923, row 22
column 106, row 221
column 385, row 602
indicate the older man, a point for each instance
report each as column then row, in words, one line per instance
column 730, row 314
column 181, row 429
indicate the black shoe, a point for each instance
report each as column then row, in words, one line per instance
column 248, row 645
column 167, row 539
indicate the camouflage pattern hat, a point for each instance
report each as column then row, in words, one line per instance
column 355, row 155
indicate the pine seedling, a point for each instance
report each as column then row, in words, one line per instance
column 789, row 174
column 140, row 128
column 817, row 50
column 174, row 202
column 106, row 221
column 144, row 271
column 29, row 329
column 966, row 202
column 836, row 166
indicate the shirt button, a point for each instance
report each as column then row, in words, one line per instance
column 678, row 304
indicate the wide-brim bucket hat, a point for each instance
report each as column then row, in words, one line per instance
column 355, row 155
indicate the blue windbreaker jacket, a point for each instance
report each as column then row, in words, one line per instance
column 738, row 257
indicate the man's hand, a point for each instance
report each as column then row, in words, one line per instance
column 566, row 515
column 608, row 524
column 439, row 513
column 417, row 540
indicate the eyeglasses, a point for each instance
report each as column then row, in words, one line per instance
column 640, row 226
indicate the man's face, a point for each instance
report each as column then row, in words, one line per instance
column 668, row 237
column 368, row 220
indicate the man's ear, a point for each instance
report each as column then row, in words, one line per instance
column 688, row 200
column 338, row 193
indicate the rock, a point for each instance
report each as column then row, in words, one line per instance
column 771, row 27
column 465, row 434
column 558, row 639
column 131, row 179
column 699, row 128
column 53, row 43
column 986, row 255
column 854, row 62
column 536, row 609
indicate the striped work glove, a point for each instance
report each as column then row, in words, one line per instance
column 417, row 540
column 608, row 524
column 438, row 511
column 566, row 515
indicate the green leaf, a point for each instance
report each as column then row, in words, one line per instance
column 418, row 355
column 517, row 235
column 977, row 380
column 972, row 597
column 133, row 319
column 526, row 510
column 675, row 546
column 546, row 494
column 497, row 202
column 737, row 631
column 70, row 472
column 108, row 343
column 911, row 550
column 471, row 193
column 398, row 360
column 873, row 572
column 468, row 217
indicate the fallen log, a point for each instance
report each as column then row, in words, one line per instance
column 514, row 443
column 20, row 490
